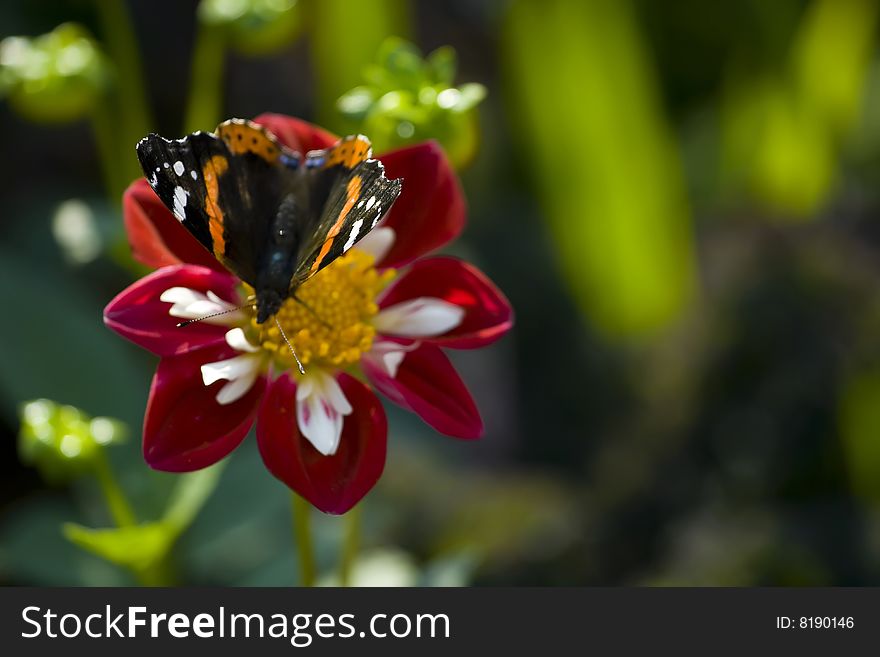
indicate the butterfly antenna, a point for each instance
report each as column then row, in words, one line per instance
column 312, row 310
column 217, row 314
column 295, row 357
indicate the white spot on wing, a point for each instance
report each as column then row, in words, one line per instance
column 180, row 195
column 352, row 236
column 154, row 180
column 377, row 217
column 166, row 165
column 371, row 202
column 194, row 175
column 178, row 168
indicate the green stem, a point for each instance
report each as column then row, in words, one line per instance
column 302, row 535
column 204, row 107
column 133, row 118
column 351, row 543
column 158, row 573
column 105, row 139
column 120, row 509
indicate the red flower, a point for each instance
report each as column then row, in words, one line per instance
column 322, row 434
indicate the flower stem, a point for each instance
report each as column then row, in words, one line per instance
column 120, row 509
column 158, row 574
column 204, row 107
column 351, row 543
column 302, row 535
column 133, row 117
column 105, row 138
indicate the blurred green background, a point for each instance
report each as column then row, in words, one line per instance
column 680, row 200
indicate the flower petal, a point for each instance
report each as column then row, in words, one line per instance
column 387, row 355
column 321, row 408
column 427, row 384
column 241, row 372
column 418, row 318
column 138, row 313
column 158, row 239
column 298, row 135
column 334, row 483
column 377, row 242
column 192, row 304
column 430, row 210
column 185, row 428
column 236, row 339
column 487, row 313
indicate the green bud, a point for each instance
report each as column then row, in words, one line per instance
column 54, row 78
column 356, row 103
column 407, row 98
column 61, row 441
column 443, row 63
column 253, row 27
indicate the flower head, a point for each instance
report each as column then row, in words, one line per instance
column 375, row 319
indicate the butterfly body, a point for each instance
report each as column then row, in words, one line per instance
column 272, row 216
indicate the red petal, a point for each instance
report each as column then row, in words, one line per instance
column 296, row 134
column 138, row 315
column 158, row 239
column 430, row 210
column 185, row 428
column 428, row 385
column 488, row 314
column 333, row 483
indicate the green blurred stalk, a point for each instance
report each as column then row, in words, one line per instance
column 859, row 422
column 116, row 179
column 302, row 536
column 605, row 161
column 784, row 128
column 204, row 109
column 351, row 543
column 105, row 139
column 120, row 509
column 131, row 119
column 345, row 37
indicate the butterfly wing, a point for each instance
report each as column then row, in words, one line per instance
column 350, row 193
column 225, row 188
column 238, row 189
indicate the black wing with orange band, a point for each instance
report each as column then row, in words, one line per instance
column 223, row 187
column 353, row 195
column 226, row 189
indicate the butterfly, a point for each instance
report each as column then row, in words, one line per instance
column 272, row 216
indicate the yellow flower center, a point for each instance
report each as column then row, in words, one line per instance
column 330, row 323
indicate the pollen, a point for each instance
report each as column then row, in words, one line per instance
column 328, row 322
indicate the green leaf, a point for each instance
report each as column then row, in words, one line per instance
column 137, row 548
column 402, row 62
column 143, row 547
